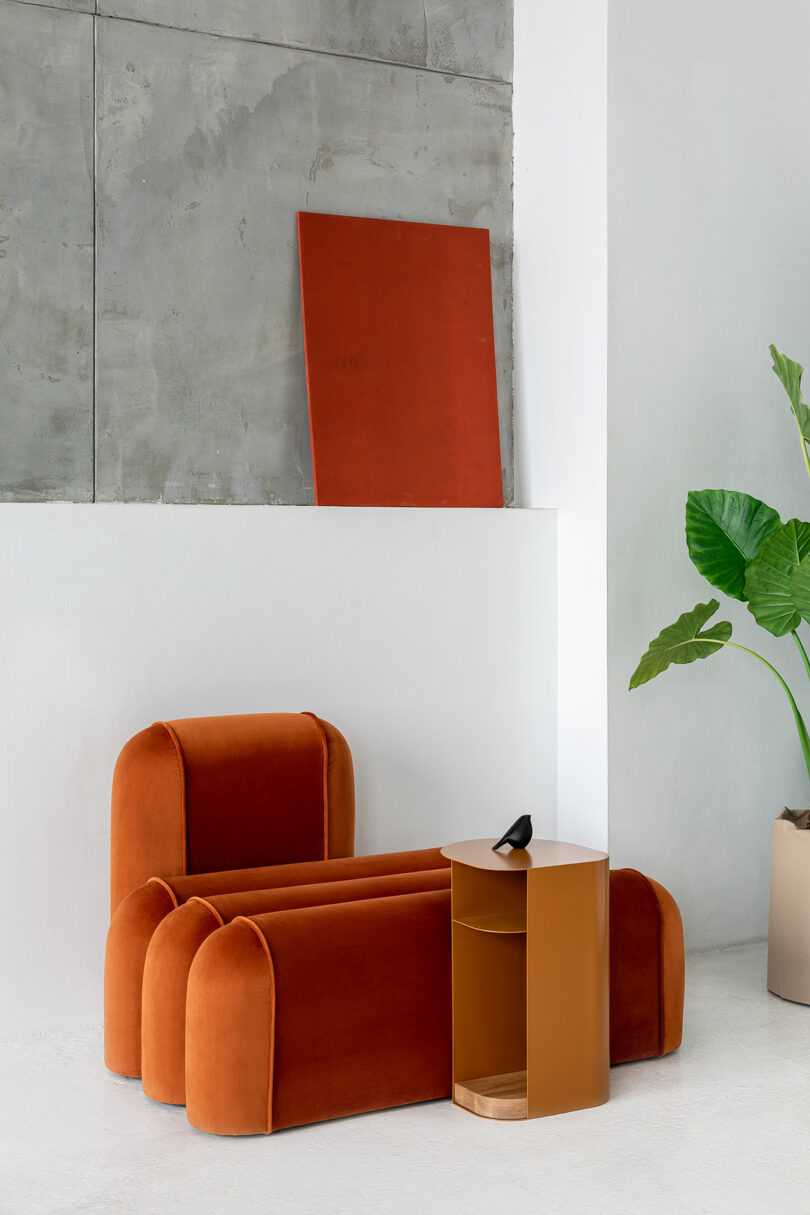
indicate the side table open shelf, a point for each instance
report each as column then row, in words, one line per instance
column 530, row 978
column 503, row 921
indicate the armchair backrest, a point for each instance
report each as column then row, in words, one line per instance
column 204, row 794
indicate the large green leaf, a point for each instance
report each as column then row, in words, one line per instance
column 800, row 588
column 790, row 374
column 682, row 642
column 768, row 581
column 724, row 531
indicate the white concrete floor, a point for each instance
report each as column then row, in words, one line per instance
column 721, row 1126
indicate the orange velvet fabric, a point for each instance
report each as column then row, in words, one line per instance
column 220, row 793
column 163, row 1006
column 266, row 877
column 139, row 914
column 147, row 834
column 230, row 1033
column 128, row 937
column 646, row 968
column 253, row 794
column 339, row 792
column 318, row 1012
column 673, row 971
column 177, row 939
column 228, row 906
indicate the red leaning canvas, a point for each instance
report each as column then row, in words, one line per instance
column 400, row 355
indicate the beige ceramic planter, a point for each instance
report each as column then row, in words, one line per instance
column 789, row 926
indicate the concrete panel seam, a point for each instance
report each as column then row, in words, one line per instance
column 304, row 50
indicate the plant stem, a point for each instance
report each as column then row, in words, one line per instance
column 803, row 442
column 802, row 651
column 804, row 738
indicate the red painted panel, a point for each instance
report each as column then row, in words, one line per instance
column 400, row 355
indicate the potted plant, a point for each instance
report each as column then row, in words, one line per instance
column 743, row 549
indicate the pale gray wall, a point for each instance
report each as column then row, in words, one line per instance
column 709, row 181
column 209, row 137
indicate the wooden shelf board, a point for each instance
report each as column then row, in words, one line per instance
column 510, row 921
column 502, row 1096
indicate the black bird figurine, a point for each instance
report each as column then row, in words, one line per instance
column 518, row 834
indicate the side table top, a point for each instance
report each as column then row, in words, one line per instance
column 540, row 854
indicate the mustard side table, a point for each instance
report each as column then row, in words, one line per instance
column 530, row 978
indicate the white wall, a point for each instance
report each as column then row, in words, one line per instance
column 560, row 121
column 427, row 636
column 709, row 110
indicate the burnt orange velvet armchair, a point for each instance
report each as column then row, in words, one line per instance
column 261, row 973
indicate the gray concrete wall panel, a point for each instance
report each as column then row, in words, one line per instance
column 470, row 37
column 46, row 254
column 76, row 6
column 206, row 149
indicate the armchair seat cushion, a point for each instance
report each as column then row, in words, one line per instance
column 318, row 1012
column 175, row 943
column 139, row 914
